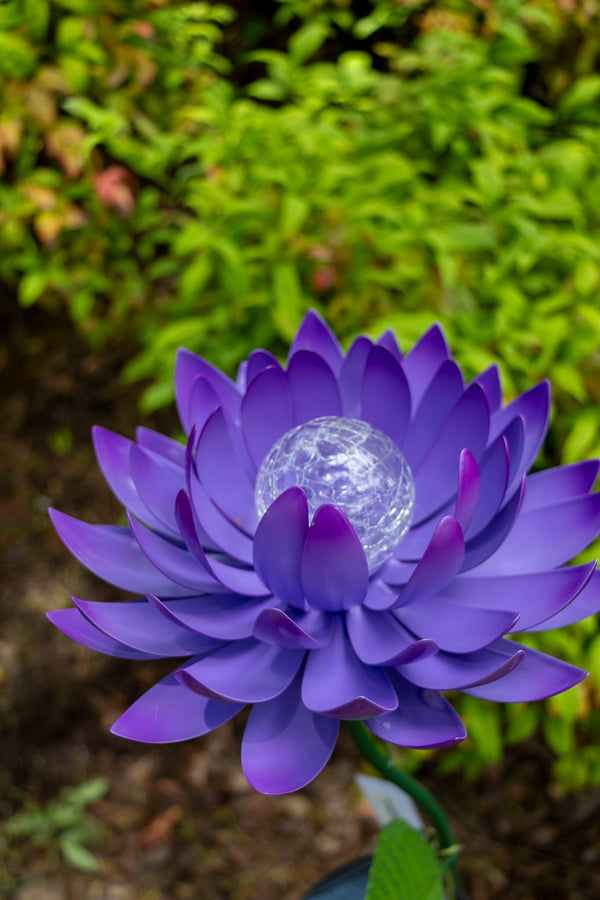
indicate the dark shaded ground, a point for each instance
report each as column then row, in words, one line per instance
column 180, row 821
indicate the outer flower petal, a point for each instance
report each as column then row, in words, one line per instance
column 537, row 677
column 423, row 719
column 72, row 623
column 454, row 628
column 266, row 412
column 158, row 482
column 449, row 671
column 334, row 566
column 443, row 392
column 314, row 334
column 258, row 361
column 279, row 545
column 484, row 545
column 385, row 395
column 285, row 745
column 297, row 630
column 202, row 402
column 534, row 409
column 422, row 362
column 161, row 444
column 227, row 617
column 171, row 712
column 188, row 367
column 554, row 485
column 489, row 380
column 586, row 603
column 379, row 639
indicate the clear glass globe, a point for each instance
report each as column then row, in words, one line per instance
column 352, row 465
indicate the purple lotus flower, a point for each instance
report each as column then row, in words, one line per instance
column 343, row 538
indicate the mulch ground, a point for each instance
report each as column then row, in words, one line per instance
column 180, row 821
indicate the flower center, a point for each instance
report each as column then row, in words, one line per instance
column 350, row 464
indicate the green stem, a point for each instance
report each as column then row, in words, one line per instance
column 420, row 794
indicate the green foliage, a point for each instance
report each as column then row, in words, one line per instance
column 62, row 824
column 404, row 866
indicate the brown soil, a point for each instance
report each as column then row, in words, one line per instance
column 180, row 821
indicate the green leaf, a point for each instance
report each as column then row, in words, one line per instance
column 404, row 866
column 31, row 287
column 17, row 57
column 77, row 855
column 584, row 92
column 288, row 299
column 306, row 41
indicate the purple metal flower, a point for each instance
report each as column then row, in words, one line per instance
column 344, row 538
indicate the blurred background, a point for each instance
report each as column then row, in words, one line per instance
column 200, row 174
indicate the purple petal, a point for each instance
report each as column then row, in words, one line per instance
column 161, row 444
column 314, row 334
column 334, row 567
column 450, row 671
column 547, row 537
column 535, row 596
column 171, row 712
column 247, row 671
column 298, row 630
column 438, row 565
column 258, row 361
column 337, row 683
column 561, row 483
column 423, row 719
column 484, row 545
column 586, row 603
column 157, row 482
column 469, row 484
column 489, row 380
column 389, row 341
column 379, row 595
column 313, row 386
column 72, row 623
column 442, row 394
column 241, row 380
column 538, row 676
column 202, row 402
column 534, row 408
column 379, row 639
column 493, row 470
column 139, row 624
column 223, row 474
column 188, row 367
column 112, row 553
column 385, row 395
column 216, row 526
column 285, row 745
column 456, row 628
column 437, row 476
column 226, row 617
column 423, row 360
column 351, row 376
column 266, row 412
column 176, row 563
column 279, row 545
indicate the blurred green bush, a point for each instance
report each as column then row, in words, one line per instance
column 185, row 175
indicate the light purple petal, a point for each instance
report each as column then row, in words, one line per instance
column 223, row 474
column 489, row 380
column 442, row 394
column 494, row 470
column 438, row 565
column 538, row 676
column 337, row 683
column 379, row 595
column 202, row 402
column 379, row 639
column 226, row 617
column 266, row 412
column 279, row 545
column 216, row 526
column 385, row 395
column 315, row 334
column 313, row 386
column 171, row 712
column 248, row 671
column 389, row 341
column 112, row 553
column 436, row 478
column 139, row 624
column 72, row 623
column 422, row 362
column 258, row 361
column 561, row 483
column 161, row 444
column 453, row 671
column 352, row 374
column 586, row 603
column 469, row 485
column 175, row 562
column 534, row 407
column 424, row 718
column 188, row 367
column 285, row 745
column 296, row 630
column 334, row 567
column 483, row 545
column 456, row 628
column 157, row 482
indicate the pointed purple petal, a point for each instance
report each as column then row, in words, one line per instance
column 225, row 617
column 438, row 565
column 493, row 470
column 561, row 483
column 469, row 484
column 157, row 482
column 285, row 745
column 586, row 603
column 247, row 671
column 279, row 545
column 161, row 444
column 482, row 547
column 385, row 395
column 456, row 628
column 72, row 623
column 334, row 566
column 489, row 380
column 217, row 527
column 422, row 362
column 423, row 719
column 296, row 630
column 351, row 376
column 258, row 361
column 202, row 402
column 450, row 671
column 379, row 595
column 313, row 386
column 314, row 334
column 266, row 412
column 112, row 553
column 390, row 342
column 171, row 712
column 443, row 392
column 337, row 683
column 538, row 676
column 534, row 408
column 175, row 562
column 188, row 367
column 379, row 639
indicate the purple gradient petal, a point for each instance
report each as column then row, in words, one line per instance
column 337, row 683
column 216, row 526
column 247, row 671
column 139, row 624
column 258, row 361
column 537, row 677
column 450, row 671
column 536, row 596
column 285, row 745
column 494, row 470
column 422, row 362
column 170, row 712
column 385, row 395
column 586, row 603
column 469, row 486
column 157, row 482
column 223, row 474
column 389, row 341
column 423, row 719
column 333, row 567
column 266, row 412
column 112, row 553
column 175, row 562
column 485, row 544
column 161, row 444
column 352, row 374
column 455, row 628
column 72, row 623
column 188, row 367
column 489, row 380
column 202, row 402
column 379, row 639
column 314, row 334
column 442, row 394
column 553, row 485
column 296, row 630
column 379, row 595
column 436, row 478
column 534, row 408
column 225, row 617
column 439, row 564
column 313, row 387
column 279, row 546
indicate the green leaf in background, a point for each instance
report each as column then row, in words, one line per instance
column 404, row 866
